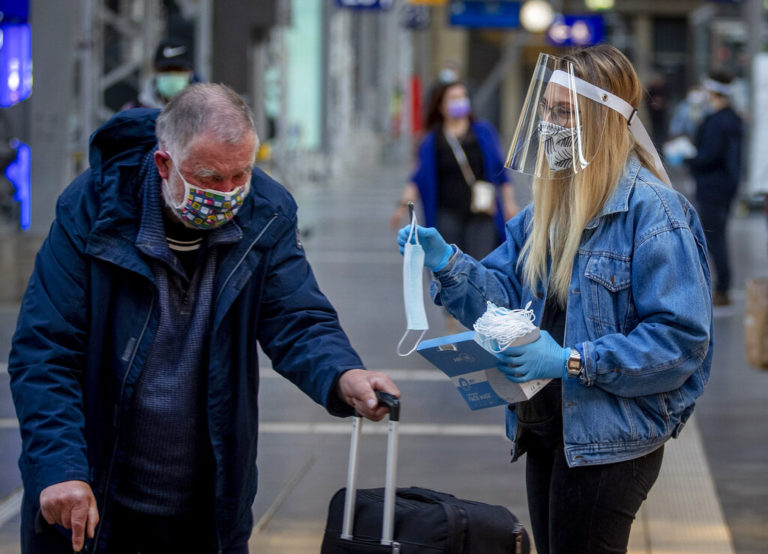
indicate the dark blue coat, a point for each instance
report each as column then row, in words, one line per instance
column 90, row 314
column 717, row 165
column 425, row 175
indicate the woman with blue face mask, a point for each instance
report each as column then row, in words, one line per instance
column 457, row 151
column 613, row 263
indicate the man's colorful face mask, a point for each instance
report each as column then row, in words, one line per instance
column 206, row 208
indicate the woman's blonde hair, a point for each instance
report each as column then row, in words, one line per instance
column 563, row 207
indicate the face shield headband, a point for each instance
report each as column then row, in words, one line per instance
column 609, row 100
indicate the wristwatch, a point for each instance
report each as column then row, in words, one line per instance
column 574, row 364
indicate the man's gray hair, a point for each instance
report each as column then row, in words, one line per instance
column 203, row 108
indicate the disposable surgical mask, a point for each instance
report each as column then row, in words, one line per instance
column 458, row 108
column 558, row 145
column 413, row 288
column 205, row 208
column 170, row 83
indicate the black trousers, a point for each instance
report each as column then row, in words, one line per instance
column 584, row 510
column 714, row 219
column 475, row 234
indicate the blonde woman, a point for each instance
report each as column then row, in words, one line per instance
column 613, row 262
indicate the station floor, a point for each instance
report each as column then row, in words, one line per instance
column 711, row 497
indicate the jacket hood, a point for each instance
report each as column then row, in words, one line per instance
column 123, row 137
column 117, row 151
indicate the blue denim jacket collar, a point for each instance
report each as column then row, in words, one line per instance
column 619, row 200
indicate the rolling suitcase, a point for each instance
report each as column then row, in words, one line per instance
column 413, row 520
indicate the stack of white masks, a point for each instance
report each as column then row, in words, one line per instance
column 499, row 328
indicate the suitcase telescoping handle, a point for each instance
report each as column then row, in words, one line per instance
column 393, row 403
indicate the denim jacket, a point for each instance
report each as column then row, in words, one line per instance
column 639, row 310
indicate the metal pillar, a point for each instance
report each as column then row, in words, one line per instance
column 131, row 30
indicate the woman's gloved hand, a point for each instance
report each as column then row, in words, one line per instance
column 541, row 359
column 437, row 252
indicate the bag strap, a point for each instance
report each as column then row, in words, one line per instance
column 461, row 158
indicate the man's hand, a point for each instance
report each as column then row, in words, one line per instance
column 357, row 386
column 72, row 505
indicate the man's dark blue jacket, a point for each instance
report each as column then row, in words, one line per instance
column 90, row 314
column 717, row 165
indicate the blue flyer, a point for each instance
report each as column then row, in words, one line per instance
column 472, row 369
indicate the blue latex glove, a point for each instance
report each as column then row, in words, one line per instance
column 541, row 359
column 437, row 252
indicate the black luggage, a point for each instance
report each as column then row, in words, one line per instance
column 414, row 520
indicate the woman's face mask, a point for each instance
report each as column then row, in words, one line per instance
column 458, row 108
column 558, row 144
column 203, row 208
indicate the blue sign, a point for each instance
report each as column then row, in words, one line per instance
column 576, row 30
column 15, row 63
column 18, row 173
column 485, row 15
column 14, row 11
column 365, row 4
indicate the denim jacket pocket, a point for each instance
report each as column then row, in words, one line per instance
column 607, row 294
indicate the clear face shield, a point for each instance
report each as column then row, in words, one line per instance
column 562, row 123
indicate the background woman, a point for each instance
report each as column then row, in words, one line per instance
column 439, row 183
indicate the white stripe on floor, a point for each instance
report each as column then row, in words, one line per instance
column 391, row 257
column 10, row 506
column 9, row 423
column 344, row 428
column 420, row 429
column 396, row 374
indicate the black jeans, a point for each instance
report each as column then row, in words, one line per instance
column 714, row 219
column 588, row 509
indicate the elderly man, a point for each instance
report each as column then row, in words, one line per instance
column 134, row 365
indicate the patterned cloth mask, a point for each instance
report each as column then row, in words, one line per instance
column 558, row 144
column 205, row 208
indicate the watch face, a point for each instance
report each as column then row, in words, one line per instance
column 574, row 362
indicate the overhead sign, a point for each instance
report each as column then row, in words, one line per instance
column 14, row 11
column 576, row 30
column 485, row 15
column 365, row 4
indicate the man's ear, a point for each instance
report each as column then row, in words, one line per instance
column 163, row 163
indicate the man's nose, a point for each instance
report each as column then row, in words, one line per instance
column 225, row 185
